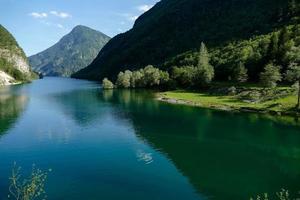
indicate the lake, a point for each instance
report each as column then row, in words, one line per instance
column 126, row 145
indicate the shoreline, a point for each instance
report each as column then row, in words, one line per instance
column 221, row 107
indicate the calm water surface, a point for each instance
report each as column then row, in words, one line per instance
column 125, row 145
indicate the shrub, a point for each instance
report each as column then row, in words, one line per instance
column 27, row 188
column 107, row 84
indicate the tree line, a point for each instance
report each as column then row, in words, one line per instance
column 281, row 64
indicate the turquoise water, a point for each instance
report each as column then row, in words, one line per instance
column 125, row 145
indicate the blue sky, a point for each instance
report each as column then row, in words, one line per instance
column 38, row 24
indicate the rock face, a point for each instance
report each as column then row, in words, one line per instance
column 14, row 67
column 73, row 52
column 6, row 79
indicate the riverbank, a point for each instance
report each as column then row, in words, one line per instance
column 279, row 106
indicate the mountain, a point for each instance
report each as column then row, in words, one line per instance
column 176, row 27
column 73, row 52
column 14, row 66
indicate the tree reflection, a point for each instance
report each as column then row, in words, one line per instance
column 11, row 107
column 224, row 155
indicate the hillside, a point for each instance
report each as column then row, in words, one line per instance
column 14, row 66
column 73, row 52
column 177, row 27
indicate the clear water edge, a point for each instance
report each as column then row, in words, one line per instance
column 125, row 145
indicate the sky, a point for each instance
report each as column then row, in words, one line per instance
column 38, row 24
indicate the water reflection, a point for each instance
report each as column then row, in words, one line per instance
column 225, row 156
column 83, row 106
column 11, row 107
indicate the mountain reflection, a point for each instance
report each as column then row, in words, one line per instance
column 83, row 106
column 225, row 156
column 11, row 107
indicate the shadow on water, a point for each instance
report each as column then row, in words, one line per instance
column 12, row 105
column 224, row 155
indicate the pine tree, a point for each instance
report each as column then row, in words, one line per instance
column 204, row 70
column 284, row 45
column 273, row 47
column 270, row 76
column 241, row 73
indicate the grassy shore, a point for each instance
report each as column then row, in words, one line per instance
column 279, row 106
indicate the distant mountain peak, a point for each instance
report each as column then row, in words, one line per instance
column 82, row 28
column 73, row 52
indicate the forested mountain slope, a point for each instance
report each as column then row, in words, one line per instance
column 177, row 27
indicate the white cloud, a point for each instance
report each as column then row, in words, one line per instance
column 128, row 16
column 144, row 8
column 132, row 18
column 59, row 26
column 38, row 15
column 52, row 24
column 60, row 14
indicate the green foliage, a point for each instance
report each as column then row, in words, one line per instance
column 196, row 76
column 147, row 77
column 270, row 76
column 136, row 80
column 107, row 84
column 273, row 46
column 8, row 42
column 293, row 73
column 282, row 195
column 123, row 80
column 29, row 188
column 151, row 76
column 184, row 76
column 12, row 71
column 240, row 73
column 204, row 72
column 73, row 52
column 9, row 47
column 172, row 31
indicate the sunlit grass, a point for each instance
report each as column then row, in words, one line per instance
column 231, row 102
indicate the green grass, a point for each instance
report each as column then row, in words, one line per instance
column 229, row 102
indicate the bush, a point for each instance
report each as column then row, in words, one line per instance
column 27, row 188
column 107, row 84
column 250, row 96
column 231, row 91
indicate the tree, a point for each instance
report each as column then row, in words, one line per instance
column 107, row 84
column 293, row 72
column 240, row 73
column 184, row 76
column 123, row 80
column 273, row 46
column 204, row 71
column 151, row 76
column 270, row 76
column 293, row 75
column 164, row 77
column 137, row 79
